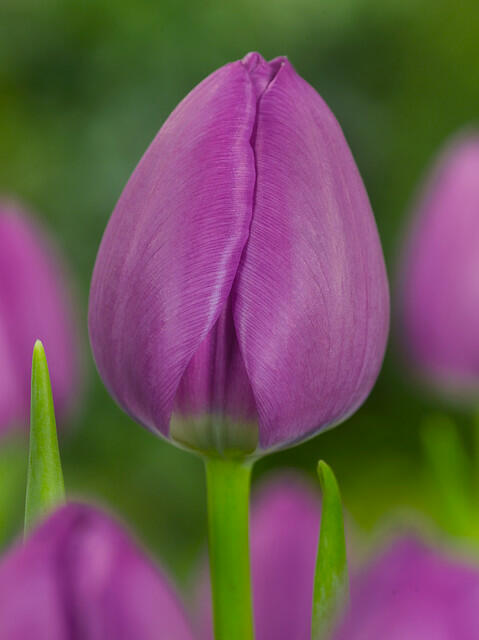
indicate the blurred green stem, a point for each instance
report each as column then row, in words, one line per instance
column 475, row 454
column 12, row 483
column 331, row 581
column 45, row 489
column 449, row 466
column 228, row 485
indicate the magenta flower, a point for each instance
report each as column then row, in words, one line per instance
column 34, row 303
column 409, row 592
column 412, row 592
column 239, row 300
column 78, row 576
column 441, row 272
column 285, row 524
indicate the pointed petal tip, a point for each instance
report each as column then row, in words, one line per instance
column 262, row 72
column 254, row 59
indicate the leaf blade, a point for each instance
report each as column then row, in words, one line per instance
column 45, row 486
column 331, row 582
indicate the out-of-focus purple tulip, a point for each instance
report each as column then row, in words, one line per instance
column 440, row 295
column 34, row 303
column 412, row 592
column 285, row 524
column 239, row 298
column 79, row 576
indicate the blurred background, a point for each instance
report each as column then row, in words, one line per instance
column 84, row 87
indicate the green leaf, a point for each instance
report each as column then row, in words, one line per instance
column 331, row 583
column 45, row 489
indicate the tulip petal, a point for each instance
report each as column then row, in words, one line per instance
column 414, row 592
column 285, row 528
column 34, row 304
column 171, row 250
column 79, row 576
column 311, row 305
column 440, row 276
column 11, row 397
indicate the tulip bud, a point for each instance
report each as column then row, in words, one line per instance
column 440, row 296
column 79, row 576
column 34, row 304
column 286, row 517
column 416, row 593
column 239, row 301
column 285, row 524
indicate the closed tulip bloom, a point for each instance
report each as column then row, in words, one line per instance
column 440, row 296
column 415, row 593
column 34, row 304
column 239, row 299
column 79, row 576
column 285, row 524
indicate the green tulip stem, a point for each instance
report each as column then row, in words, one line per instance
column 449, row 465
column 228, row 485
column 331, row 582
column 475, row 454
column 45, row 489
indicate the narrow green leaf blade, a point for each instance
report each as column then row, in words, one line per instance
column 45, row 488
column 331, row 582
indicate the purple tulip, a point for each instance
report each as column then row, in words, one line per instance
column 78, row 576
column 34, row 303
column 239, row 299
column 285, row 524
column 412, row 592
column 409, row 592
column 441, row 272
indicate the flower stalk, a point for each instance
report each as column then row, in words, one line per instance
column 228, row 486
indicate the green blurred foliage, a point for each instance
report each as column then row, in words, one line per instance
column 84, row 88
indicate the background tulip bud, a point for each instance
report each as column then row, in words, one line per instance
column 440, row 294
column 79, row 576
column 239, row 300
column 416, row 593
column 285, row 524
column 34, row 304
